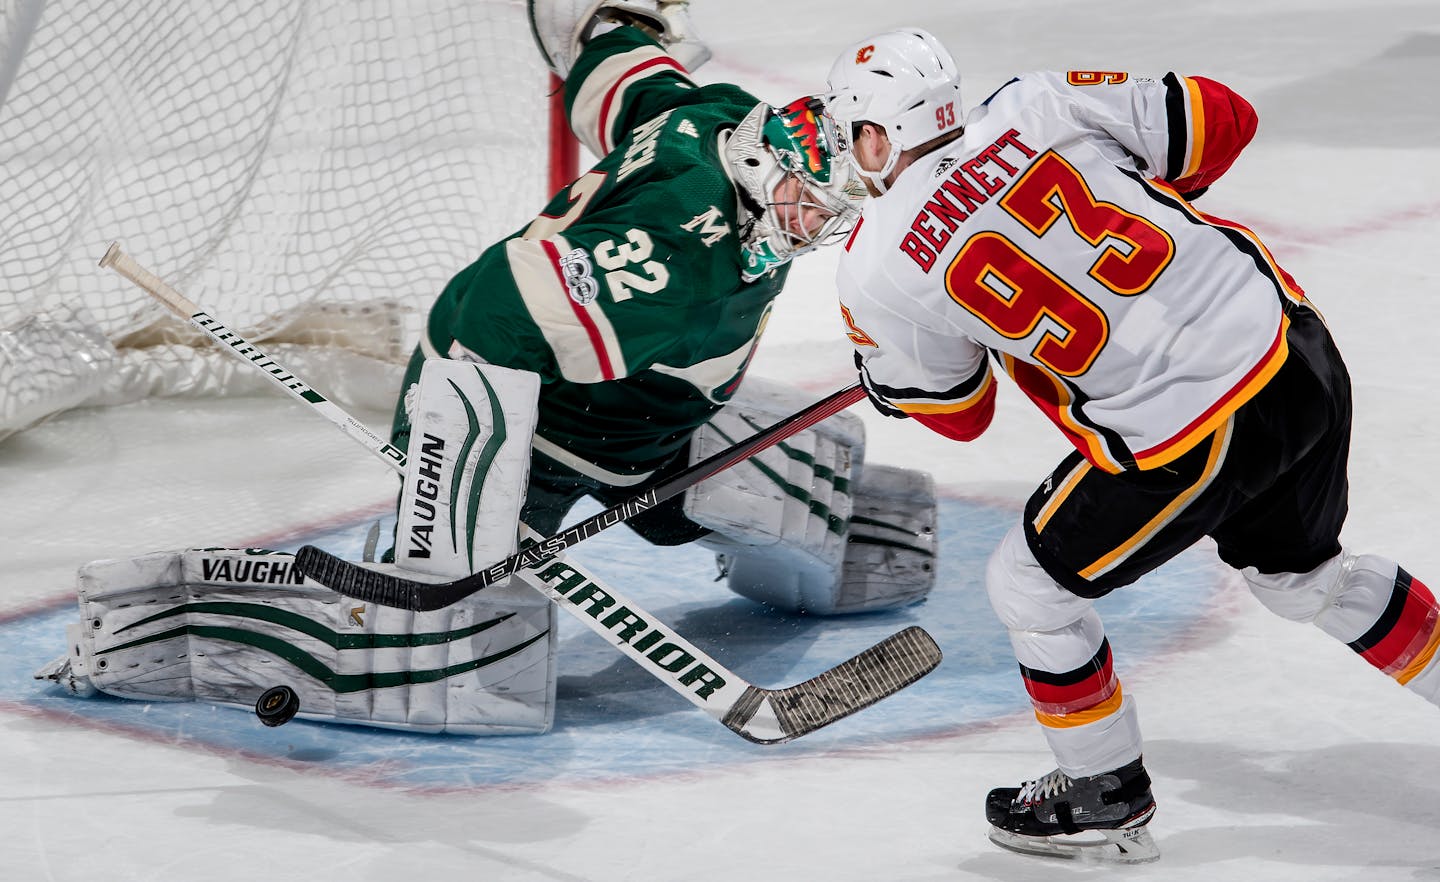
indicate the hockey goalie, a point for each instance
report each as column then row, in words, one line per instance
column 599, row 349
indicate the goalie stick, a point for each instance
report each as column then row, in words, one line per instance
column 760, row 715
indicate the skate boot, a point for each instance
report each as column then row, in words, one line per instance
column 1099, row 817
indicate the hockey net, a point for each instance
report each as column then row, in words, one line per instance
column 312, row 172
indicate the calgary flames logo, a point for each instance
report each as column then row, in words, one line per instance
column 865, row 54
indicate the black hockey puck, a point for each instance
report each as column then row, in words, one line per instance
column 277, row 706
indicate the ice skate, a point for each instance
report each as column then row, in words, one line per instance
column 1099, row 818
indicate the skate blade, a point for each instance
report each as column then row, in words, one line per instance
column 1132, row 846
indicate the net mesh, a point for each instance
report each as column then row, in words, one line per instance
column 274, row 160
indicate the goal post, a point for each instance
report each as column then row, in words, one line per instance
column 313, row 170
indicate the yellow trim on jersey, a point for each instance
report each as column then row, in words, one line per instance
column 1100, row 711
column 965, row 403
column 1182, row 444
column 1197, row 127
column 1276, row 273
column 1421, row 661
column 1067, row 486
column 1095, row 449
column 1219, row 444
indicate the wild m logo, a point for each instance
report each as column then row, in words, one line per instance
column 427, row 492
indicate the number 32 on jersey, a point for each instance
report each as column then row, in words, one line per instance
column 627, row 263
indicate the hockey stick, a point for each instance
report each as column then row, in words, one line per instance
column 156, row 287
column 386, row 589
column 764, row 716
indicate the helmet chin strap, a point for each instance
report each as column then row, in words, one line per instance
column 877, row 178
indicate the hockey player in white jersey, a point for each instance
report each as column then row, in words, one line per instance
column 1052, row 231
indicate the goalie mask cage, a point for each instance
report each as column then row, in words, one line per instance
column 311, row 171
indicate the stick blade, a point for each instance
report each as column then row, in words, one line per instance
column 774, row 716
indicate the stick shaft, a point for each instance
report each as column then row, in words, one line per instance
column 178, row 303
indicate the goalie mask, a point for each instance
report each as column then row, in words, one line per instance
column 788, row 169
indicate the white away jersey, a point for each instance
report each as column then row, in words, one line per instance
column 1054, row 235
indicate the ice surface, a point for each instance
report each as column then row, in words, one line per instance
column 1277, row 754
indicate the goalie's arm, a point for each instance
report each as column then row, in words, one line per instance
column 622, row 80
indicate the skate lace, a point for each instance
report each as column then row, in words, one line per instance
column 1043, row 788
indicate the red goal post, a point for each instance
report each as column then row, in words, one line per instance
column 313, row 173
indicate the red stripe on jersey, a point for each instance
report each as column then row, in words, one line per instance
column 624, row 80
column 582, row 315
column 1074, row 692
column 1227, row 123
column 1054, row 399
column 966, row 424
column 1411, row 631
column 1292, row 288
column 1253, row 381
column 854, row 232
column 1289, row 286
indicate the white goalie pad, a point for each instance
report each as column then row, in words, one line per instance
column 792, row 529
column 890, row 551
column 794, row 495
column 222, row 626
column 889, row 557
column 468, row 465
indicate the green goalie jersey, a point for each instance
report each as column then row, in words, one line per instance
column 625, row 294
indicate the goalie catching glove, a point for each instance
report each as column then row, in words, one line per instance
column 563, row 27
column 799, row 526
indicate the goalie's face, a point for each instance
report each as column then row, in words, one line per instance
column 802, row 193
column 802, row 214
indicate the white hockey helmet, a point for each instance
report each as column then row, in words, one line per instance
column 798, row 142
column 904, row 80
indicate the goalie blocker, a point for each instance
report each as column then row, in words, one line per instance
column 801, row 526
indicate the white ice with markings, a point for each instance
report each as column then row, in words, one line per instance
column 1277, row 754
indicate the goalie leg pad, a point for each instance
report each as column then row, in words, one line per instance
column 793, row 495
column 223, row 626
column 891, row 549
column 468, row 464
column 889, row 559
column 784, row 520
